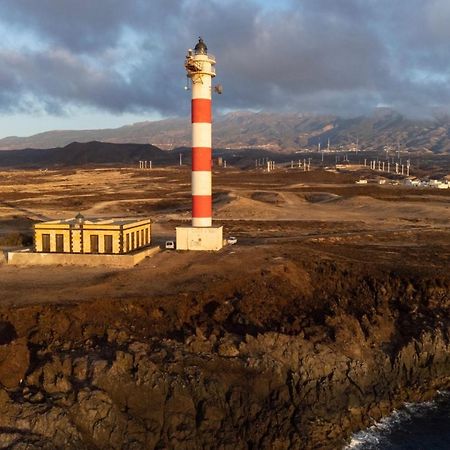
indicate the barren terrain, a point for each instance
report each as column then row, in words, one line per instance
column 287, row 209
column 331, row 310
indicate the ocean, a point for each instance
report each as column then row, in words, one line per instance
column 417, row 426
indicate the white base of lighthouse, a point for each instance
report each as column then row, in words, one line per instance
column 199, row 238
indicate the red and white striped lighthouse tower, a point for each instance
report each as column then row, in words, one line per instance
column 200, row 70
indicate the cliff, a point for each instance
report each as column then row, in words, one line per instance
column 295, row 356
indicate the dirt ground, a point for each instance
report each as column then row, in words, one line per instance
column 330, row 312
column 321, row 214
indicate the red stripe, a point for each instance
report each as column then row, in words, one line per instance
column 201, row 110
column 201, row 206
column 201, row 158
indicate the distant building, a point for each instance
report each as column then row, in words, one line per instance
column 438, row 184
column 96, row 236
column 413, row 182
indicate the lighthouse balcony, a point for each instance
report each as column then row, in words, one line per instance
column 202, row 57
column 196, row 67
column 193, row 66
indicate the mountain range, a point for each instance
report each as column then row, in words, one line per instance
column 282, row 132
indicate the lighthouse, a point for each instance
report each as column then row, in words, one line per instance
column 200, row 69
column 202, row 235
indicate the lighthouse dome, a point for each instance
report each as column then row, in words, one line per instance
column 201, row 48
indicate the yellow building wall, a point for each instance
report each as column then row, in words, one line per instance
column 81, row 237
column 127, row 245
column 66, row 234
column 87, row 233
column 76, row 240
column 38, row 240
column 61, row 229
column 137, row 235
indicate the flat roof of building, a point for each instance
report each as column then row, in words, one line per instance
column 115, row 221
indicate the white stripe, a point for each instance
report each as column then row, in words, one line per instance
column 203, row 89
column 201, row 135
column 201, row 182
column 201, row 221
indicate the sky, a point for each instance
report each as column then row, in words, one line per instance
column 68, row 64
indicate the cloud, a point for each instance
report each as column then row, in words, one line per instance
column 86, row 25
column 314, row 55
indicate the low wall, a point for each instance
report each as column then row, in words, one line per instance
column 29, row 258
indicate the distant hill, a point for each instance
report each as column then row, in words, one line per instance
column 270, row 131
column 89, row 153
column 166, row 134
column 83, row 154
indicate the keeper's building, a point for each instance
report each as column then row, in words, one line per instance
column 94, row 236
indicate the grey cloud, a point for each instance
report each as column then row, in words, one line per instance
column 87, row 25
column 314, row 55
column 59, row 76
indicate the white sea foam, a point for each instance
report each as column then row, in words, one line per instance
column 376, row 437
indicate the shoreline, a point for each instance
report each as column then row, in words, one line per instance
column 405, row 420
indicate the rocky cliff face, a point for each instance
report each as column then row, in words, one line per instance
column 294, row 357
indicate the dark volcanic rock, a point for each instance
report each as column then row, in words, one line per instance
column 14, row 361
column 7, row 332
column 315, row 356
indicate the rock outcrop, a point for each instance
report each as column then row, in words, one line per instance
column 301, row 363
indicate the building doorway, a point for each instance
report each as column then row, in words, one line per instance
column 94, row 243
column 46, row 243
column 108, row 243
column 60, row 243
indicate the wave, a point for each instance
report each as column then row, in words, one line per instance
column 414, row 427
